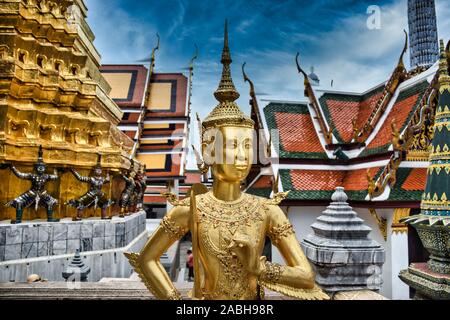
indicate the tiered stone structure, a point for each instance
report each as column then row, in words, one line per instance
column 76, row 270
column 341, row 251
column 52, row 94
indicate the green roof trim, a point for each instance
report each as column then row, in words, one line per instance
column 260, row 192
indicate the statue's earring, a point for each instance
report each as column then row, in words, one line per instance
column 201, row 165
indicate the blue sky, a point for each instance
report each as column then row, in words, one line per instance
column 331, row 35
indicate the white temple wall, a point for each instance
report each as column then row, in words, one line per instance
column 396, row 259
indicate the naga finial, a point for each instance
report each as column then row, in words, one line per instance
column 155, row 48
column 247, row 79
column 191, row 63
column 300, row 70
column 405, row 47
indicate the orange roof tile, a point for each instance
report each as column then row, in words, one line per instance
column 399, row 114
column 341, row 109
column 342, row 113
column 416, row 180
column 297, row 133
column 316, row 179
column 365, row 109
column 263, row 182
column 356, row 180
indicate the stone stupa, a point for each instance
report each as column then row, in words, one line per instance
column 344, row 257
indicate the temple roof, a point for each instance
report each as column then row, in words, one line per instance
column 310, row 169
column 298, row 137
column 340, row 109
column 309, row 184
column 156, row 118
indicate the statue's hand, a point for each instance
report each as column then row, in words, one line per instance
column 246, row 251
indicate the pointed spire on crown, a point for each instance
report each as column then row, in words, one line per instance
column 227, row 112
column 226, row 92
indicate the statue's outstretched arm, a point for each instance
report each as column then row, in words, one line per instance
column 172, row 228
column 53, row 176
column 297, row 277
column 79, row 176
column 21, row 175
column 298, row 272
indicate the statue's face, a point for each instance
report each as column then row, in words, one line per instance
column 98, row 172
column 40, row 168
column 232, row 153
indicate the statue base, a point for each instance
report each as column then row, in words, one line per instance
column 427, row 283
column 44, row 248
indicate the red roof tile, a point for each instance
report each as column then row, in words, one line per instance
column 297, row 133
column 399, row 114
column 365, row 109
column 130, row 134
column 342, row 109
column 317, row 179
column 356, row 180
column 328, row 180
column 416, row 180
column 342, row 113
column 263, row 182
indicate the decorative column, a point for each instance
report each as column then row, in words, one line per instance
column 398, row 243
column 431, row 280
column 344, row 257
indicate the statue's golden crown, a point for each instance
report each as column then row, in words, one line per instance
column 227, row 112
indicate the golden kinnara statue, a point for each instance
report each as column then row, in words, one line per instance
column 228, row 226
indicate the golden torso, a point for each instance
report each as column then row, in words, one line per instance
column 218, row 222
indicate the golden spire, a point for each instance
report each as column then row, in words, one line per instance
column 227, row 112
column 226, row 91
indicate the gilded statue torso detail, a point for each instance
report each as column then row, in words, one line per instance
column 218, row 223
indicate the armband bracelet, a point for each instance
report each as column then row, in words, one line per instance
column 272, row 272
column 172, row 229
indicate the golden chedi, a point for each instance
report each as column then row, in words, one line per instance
column 228, row 226
column 53, row 95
